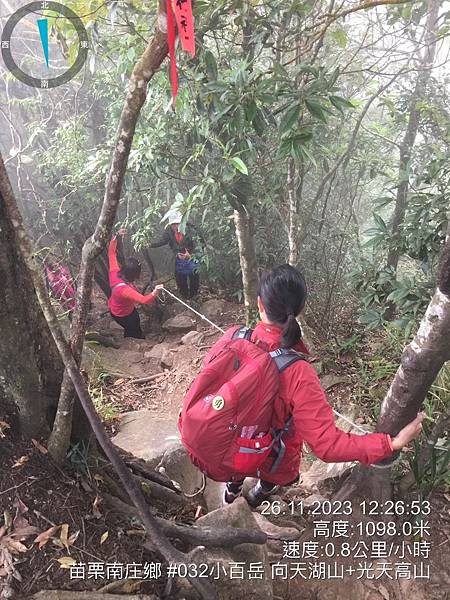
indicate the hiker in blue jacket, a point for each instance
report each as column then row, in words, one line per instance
column 182, row 244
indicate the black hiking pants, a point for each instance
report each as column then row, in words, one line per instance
column 131, row 324
column 187, row 284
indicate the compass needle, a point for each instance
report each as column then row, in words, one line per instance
column 43, row 32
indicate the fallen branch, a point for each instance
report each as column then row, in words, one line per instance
column 161, row 493
column 145, row 379
column 192, row 534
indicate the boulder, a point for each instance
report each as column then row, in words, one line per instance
column 171, row 310
column 157, row 351
column 175, row 463
column 182, row 322
column 213, row 308
column 256, row 583
column 145, row 435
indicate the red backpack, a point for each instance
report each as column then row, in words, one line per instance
column 230, row 419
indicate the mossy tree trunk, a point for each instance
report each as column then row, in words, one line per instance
column 30, row 366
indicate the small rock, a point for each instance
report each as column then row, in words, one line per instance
column 320, row 472
column 181, row 322
column 314, row 498
column 157, row 351
column 130, row 344
column 190, row 338
column 167, row 360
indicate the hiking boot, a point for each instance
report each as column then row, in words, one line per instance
column 260, row 492
column 231, row 492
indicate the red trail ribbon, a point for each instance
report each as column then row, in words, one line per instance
column 171, row 34
column 185, row 24
column 181, row 11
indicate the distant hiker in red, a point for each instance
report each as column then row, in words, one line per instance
column 249, row 412
column 61, row 285
column 124, row 295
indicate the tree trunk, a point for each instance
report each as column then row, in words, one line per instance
column 407, row 145
column 245, row 227
column 420, row 364
column 30, row 367
column 143, row 71
column 293, row 214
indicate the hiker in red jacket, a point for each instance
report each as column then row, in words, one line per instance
column 282, row 296
column 124, row 295
column 61, row 285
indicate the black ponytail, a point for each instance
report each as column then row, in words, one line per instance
column 292, row 333
column 283, row 292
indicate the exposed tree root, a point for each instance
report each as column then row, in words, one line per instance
column 194, row 535
column 141, row 467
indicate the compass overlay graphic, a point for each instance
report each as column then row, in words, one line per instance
column 35, row 13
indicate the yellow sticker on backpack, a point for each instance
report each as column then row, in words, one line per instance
column 218, row 403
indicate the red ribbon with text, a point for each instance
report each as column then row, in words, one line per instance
column 179, row 12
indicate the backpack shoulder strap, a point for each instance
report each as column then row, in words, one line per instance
column 284, row 358
column 243, row 333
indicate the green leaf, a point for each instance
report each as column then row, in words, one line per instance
column 333, row 77
column 380, row 223
column 370, row 317
column 286, row 148
column 316, row 110
column 250, row 110
column 309, row 155
column 289, row 119
column 297, row 151
column 239, row 165
column 216, row 86
column 340, row 36
column 259, row 122
column 340, row 103
column 211, row 65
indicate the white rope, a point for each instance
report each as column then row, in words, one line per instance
column 350, row 422
column 338, row 414
column 193, row 310
column 200, row 491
